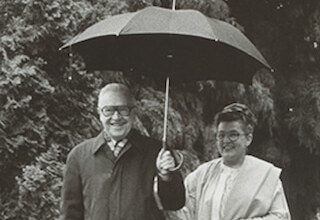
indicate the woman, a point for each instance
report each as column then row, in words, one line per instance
column 235, row 186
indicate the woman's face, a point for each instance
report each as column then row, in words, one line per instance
column 232, row 142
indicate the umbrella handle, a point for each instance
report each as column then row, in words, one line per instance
column 178, row 160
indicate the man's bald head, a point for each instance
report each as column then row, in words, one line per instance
column 119, row 90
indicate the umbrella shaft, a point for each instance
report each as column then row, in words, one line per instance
column 173, row 5
column 165, row 120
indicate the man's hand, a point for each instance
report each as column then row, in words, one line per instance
column 165, row 163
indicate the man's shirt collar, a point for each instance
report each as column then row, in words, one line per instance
column 133, row 138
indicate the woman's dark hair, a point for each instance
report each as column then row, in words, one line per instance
column 236, row 112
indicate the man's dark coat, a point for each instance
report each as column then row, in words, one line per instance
column 98, row 186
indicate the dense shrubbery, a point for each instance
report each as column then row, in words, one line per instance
column 41, row 183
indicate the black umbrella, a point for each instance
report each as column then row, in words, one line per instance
column 184, row 45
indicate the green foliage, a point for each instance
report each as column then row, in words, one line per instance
column 302, row 121
column 39, row 188
column 22, row 119
column 29, row 90
column 41, row 183
column 217, row 9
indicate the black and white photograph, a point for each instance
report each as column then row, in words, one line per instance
column 159, row 110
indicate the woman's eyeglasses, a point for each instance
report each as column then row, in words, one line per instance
column 232, row 136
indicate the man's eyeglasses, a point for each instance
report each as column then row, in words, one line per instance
column 108, row 111
column 232, row 136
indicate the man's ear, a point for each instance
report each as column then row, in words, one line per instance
column 100, row 114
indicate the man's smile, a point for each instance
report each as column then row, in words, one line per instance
column 118, row 124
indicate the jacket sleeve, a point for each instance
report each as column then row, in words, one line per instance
column 72, row 201
column 172, row 193
column 188, row 211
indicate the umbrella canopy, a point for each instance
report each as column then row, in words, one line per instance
column 182, row 44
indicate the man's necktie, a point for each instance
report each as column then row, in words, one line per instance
column 119, row 146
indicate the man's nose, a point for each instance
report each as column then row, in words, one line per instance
column 116, row 115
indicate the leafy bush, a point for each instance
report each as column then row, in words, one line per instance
column 38, row 189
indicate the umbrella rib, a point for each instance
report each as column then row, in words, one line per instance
column 212, row 31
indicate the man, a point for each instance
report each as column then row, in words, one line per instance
column 112, row 176
column 236, row 186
